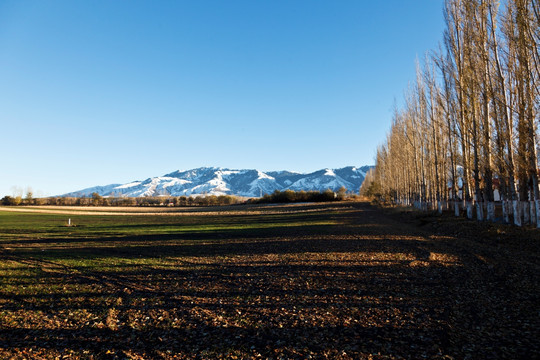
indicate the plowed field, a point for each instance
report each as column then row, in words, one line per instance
column 340, row 281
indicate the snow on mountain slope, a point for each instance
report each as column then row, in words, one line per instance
column 322, row 180
column 107, row 189
column 219, row 181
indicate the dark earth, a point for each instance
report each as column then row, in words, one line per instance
column 323, row 281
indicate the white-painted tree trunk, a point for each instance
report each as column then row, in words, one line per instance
column 490, row 211
column 479, row 211
column 517, row 213
column 526, row 212
column 505, row 208
column 538, row 214
column 469, row 210
column 532, row 212
column 439, row 207
column 456, row 208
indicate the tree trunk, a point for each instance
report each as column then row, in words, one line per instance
column 532, row 212
column 538, row 214
column 491, row 210
column 469, row 209
column 505, row 210
column 526, row 212
column 517, row 213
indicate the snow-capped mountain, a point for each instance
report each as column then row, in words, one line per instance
column 219, row 181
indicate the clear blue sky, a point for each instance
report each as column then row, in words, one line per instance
column 100, row 92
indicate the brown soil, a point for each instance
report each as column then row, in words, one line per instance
column 382, row 284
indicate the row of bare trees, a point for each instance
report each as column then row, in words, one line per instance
column 467, row 134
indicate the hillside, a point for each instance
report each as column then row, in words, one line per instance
column 220, row 181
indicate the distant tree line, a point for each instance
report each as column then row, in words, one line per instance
column 19, row 199
column 95, row 199
column 98, row 200
column 468, row 129
column 290, row 196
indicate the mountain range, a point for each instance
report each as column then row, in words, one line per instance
column 220, row 181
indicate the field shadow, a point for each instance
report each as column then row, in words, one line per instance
column 366, row 285
column 293, row 296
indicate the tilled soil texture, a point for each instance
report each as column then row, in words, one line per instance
column 338, row 281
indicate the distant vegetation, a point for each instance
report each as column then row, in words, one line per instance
column 98, row 200
column 287, row 196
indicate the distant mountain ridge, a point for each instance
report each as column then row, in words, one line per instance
column 221, row 181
